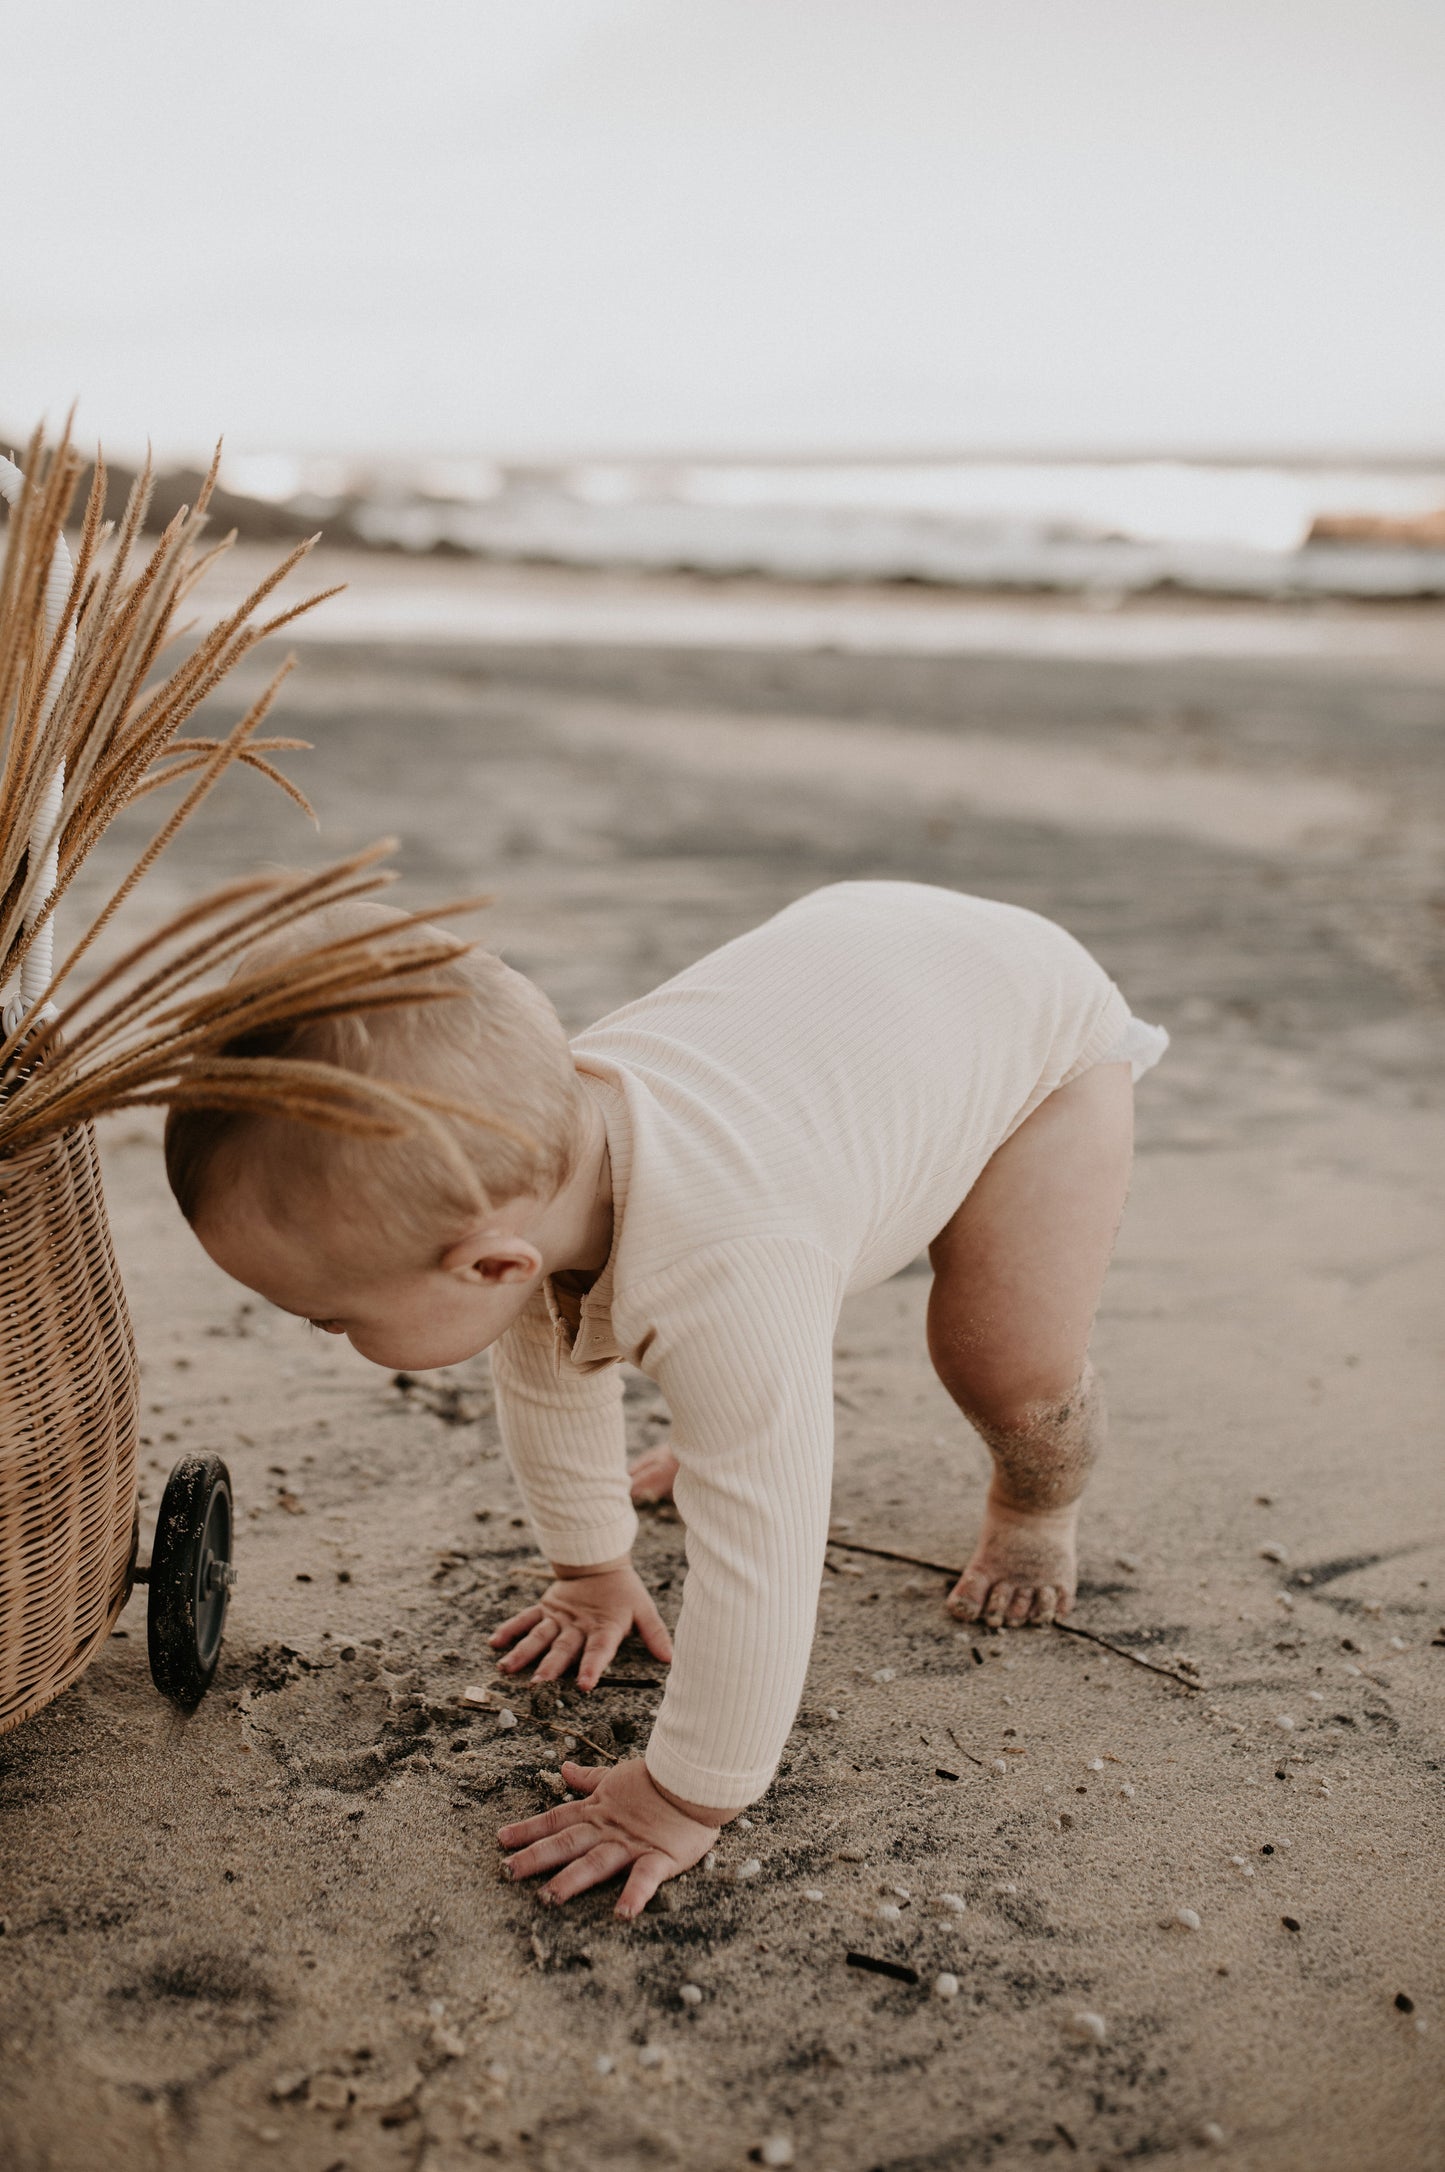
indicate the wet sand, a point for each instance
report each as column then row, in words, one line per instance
column 273, row 1934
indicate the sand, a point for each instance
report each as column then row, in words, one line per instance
column 273, row 1934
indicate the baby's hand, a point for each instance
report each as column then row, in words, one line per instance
column 583, row 1618
column 624, row 1819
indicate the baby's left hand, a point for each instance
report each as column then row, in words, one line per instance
column 624, row 1819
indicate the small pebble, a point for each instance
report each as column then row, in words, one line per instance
column 752, row 1868
column 884, row 1674
column 1089, row 2028
column 1273, row 1551
column 691, row 1994
column 476, row 1694
column 1397, row 1644
column 952, row 1904
column 831, row 1712
column 1006, row 1887
column 945, row 1985
column 1187, row 1919
column 900, row 1892
column 506, row 1718
column 1096, row 1764
column 606, row 2064
column 1212, row 2135
column 777, row 2150
column 744, row 1825
column 1373, row 1606
column 1283, row 1721
column 650, row 2055
column 1316, row 1696
column 1000, row 1764
column 1126, row 1790
column 709, row 1861
column 889, row 1912
column 1127, row 1561
column 812, row 1893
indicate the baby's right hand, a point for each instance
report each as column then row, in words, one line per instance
column 583, row 1617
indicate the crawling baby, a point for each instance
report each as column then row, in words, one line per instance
column 694, row 1186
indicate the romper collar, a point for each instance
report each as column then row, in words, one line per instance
column 595, row 1345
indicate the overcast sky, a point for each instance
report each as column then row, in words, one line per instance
column 538, row 226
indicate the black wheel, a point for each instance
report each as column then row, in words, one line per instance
column 190, row 1579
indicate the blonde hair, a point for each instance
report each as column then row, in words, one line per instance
column 506, row 1115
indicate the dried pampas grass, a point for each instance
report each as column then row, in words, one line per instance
column 153, row 1028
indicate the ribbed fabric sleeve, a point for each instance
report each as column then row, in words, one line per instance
column 753, row 1432
column 563, row 1432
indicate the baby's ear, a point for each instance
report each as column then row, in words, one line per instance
column 492, row 1257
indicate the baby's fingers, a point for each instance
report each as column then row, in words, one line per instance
column 527, row 1830
column 602, row 1862
column 653, row 1631
column 648, row 1873
column 532, row 1646
column 557, row 1848
column 561, row 1656
column 514, row 1627
column 583, row 1777
column 601, row 1648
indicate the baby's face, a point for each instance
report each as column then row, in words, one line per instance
column 407, row 1317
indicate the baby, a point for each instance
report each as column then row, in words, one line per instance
column 695, row 1185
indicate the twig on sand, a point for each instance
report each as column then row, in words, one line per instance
column 558, row 1728
column 886, row 1553
column 1122, row 1651
column 1067, row 1628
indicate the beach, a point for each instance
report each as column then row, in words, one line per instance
column 1196, row 1846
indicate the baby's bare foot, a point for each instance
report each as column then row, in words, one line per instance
column 1022, row 1569
column 651, row 1477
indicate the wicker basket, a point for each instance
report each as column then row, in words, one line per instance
column 68, row 1414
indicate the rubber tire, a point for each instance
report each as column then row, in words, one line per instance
column 184, row 1618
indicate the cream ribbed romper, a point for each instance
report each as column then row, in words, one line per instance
column 789, row 1121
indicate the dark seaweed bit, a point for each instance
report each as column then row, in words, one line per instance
column 899, row 1970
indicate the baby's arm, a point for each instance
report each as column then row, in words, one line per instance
column 563, row 1432
column 745, row 1360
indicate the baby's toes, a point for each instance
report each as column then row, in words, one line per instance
column 1046, row 1604
column 969, row 1596
column 1020, row 1606
column 1000, row 1599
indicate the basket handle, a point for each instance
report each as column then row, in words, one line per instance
column 43, row 865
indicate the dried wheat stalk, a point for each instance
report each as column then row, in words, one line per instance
column 153, row 1027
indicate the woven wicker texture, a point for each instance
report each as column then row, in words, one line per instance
column 68, row 1411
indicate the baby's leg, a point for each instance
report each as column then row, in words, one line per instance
column 1017, row 1276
